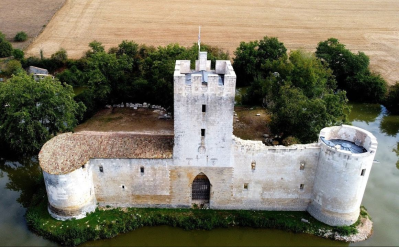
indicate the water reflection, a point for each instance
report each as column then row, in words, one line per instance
column 24, row 176
column 364, row 112
column 235, row 236
column 389, row 124
column 18, row 180
column 396, row 150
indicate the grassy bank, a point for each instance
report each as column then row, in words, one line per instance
column 107, row 223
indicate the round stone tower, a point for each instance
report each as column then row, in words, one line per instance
column 70, row 195
column 346, row 156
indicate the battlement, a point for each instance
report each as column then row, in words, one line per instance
column 203, row 80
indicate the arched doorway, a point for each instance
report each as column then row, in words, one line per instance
column 201, row 190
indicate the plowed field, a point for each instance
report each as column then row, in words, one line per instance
column 26, row 15
column 371, row 26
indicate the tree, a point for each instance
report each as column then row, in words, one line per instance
column 32, row 112
column 302, row 98
column 352, row 72
column 392, row 100
column 60, row 56
column 5, row 46
column 251, row 56
column 18, row 54
column 20, row 37
column 95, row 47
column 366, row 87
column 13, row 67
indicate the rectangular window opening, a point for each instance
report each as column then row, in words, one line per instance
column 101, row 169
column 142, row 170
column 203, row 132
column 245, row 186
column 301, row 186
column 203, row 108
column 363, row 172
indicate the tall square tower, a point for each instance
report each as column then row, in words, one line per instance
column 203, row 108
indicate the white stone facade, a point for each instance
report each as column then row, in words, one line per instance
column 326, row 181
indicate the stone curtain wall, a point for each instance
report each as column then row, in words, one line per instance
column 132, row 182
column 271, row 177
column 274, row 184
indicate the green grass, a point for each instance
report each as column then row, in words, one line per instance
column 108, row 223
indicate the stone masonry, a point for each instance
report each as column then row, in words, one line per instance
column 326, row 179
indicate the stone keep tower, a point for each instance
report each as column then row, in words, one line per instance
column 203, row 108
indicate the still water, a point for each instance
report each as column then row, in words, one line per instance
column 17, row 179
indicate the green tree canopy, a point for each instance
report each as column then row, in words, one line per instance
column 13, row 67
column 20, row 37
column 32, row 112
column 60, row 56
column 392, row 100
column 249, row 58
column 18, row 54
column 130, row 72
column 301, row 96
column 352, row 72
column 5, row 46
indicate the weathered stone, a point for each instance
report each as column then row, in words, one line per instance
column 124, row 170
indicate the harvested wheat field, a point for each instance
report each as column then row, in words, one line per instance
column 371, row 26
column 28, row 16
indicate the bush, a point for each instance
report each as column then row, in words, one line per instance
column 18, row 54
column 13, row 67
column 20, row 37
column 60, row 56
column 352, row 72
column 392, row 100
column 5, row 46
column 290, row 140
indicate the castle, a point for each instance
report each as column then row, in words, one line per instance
column 204, row 164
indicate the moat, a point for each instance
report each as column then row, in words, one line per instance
column 381, row 200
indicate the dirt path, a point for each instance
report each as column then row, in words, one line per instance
column 371, row 26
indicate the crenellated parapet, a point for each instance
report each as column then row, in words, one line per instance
column 203, row 80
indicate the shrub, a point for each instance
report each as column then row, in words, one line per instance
column 20, row 37
column 5, row 46
column 60, row 56
column 392, row 100
column 13, row 67
column 290, row 140
column 352, row 72
column 18, row 54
